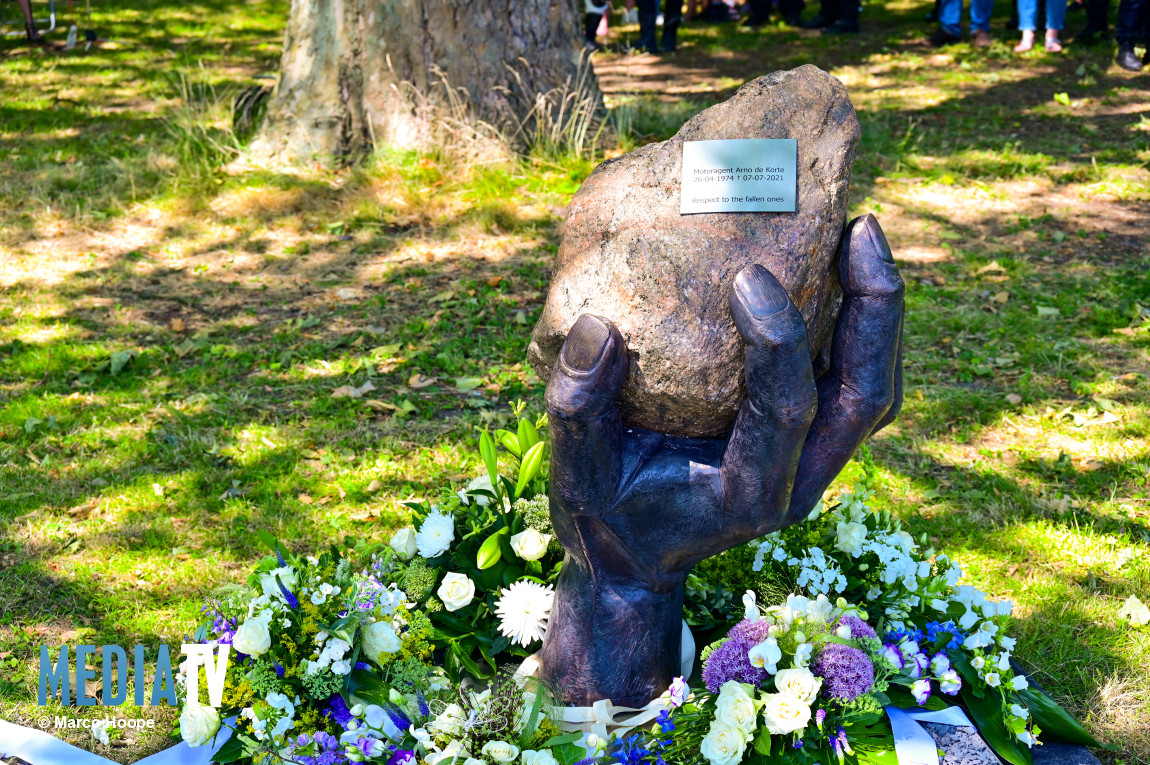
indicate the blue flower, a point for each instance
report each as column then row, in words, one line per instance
column 664, row 720
column 423, row 708
column 292, row 600
column 279, row 556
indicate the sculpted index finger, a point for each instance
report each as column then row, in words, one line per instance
column 583, row 409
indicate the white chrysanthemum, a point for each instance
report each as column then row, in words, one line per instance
column 524, row 609
column 435, row 535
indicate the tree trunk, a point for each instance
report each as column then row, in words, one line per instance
column 362, row 73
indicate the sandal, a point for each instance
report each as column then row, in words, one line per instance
column 1052, row 44
column 1027, row 43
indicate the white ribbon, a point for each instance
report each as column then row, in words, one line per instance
column 40, row 748
column 912, row 744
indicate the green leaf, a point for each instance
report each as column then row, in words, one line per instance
column 489, row 553
column 366, row 686
column 568, row 754
column 120, row 360
column 463, row 656
column 466, row 384
column 232, row 750
column 763, row 742
column 530, row 468
column 1062, row 98
column 1055, row 722
column 444, row 619
column 529, row 728
column 269, row 541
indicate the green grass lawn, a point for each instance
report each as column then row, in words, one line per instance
column 175, row 328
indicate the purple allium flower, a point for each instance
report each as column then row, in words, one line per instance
column 337, row 710
column 846, row 671
column 730, row 661
column 859, row 628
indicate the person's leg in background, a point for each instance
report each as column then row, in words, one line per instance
column 1027, row 16
column 792, row 11
column 1055, row 19
column 592, row 17
column 949, row 24
column 847, row 22
column 1127, row 29
column 980, row 11
column 648, row 13
column 29, row 22
column 672, row 18
column 1097, row 23
column 758, row 13
column 827, row 15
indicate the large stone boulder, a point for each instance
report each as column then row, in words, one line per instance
column 663, row 278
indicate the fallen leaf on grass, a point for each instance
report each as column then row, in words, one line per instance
column 1014, row 398
column 465, row 384
column 1135, row 611
column 5, row 654
column 1047, row 311
column 374, row 486
column 178, row 325
column 84, row 510
column 417, row 381
column 347, row 391
column 1000, row 297
column 305, row 499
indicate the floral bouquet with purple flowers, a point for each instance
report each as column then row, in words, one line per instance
column 807, row 679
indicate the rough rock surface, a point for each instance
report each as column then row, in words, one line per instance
column 663, row 278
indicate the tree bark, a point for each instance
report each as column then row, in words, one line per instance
column 362, row 73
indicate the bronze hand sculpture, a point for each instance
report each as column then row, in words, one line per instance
column 635, row 510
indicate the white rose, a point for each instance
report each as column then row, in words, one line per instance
column 198, row 724
column 850, row 538
column 541, row 757
column 253, row 637
column 724, row 744
column 456, row 591
column 379, row 638
column 473, row 761
column 766, row 655
column 403, row 542
column 735, row 707
column 500, row 751
column 800, row 683
column 785, row 713
column 530, row 544
column 268, row 580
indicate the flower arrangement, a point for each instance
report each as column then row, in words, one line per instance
column 413, row 657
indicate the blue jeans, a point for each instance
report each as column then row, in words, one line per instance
column 1028, row 14
column 950, row 15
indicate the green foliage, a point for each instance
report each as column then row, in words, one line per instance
column 262, row 677
column 419, row 580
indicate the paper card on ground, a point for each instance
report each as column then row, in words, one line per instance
column 739, row 175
